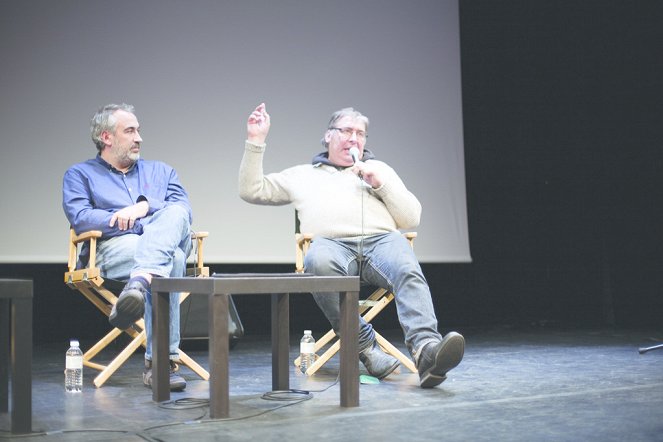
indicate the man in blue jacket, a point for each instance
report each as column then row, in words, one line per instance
column 144, row 215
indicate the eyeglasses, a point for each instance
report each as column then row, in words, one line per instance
column 346, row 133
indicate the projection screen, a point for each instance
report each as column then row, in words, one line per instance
column 194, row 70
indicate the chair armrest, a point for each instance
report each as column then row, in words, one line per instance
column 410, row 236
column 74, row 240
column 85, row 236
column 302, row 243
column 199, row 267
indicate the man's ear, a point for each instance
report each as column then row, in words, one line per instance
column 106, row 137
column 327, row 136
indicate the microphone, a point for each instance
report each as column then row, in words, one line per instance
column 354, row 153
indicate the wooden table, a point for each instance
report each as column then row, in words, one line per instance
column 218, row 288
column 16, row 351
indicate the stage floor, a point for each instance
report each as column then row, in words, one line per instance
column 526, row 384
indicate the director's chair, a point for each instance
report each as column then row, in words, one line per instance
column 369, row 308
column 101, row 293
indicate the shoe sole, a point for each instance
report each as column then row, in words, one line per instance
column 448, row 357
column 128, row 309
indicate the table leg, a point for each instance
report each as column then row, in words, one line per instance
column 349, row 349
column 21, row 365
column 219, row 349
column 4, row 355
column 280, row 341
column 160, row 346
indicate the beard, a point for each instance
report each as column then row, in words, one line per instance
column 125, row 157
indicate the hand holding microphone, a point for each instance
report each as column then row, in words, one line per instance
column 365, row 171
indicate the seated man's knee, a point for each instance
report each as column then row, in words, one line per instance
column 322, row 261
column 176, row 214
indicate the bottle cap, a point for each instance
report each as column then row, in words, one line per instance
column 307, row 332
column 74, row 343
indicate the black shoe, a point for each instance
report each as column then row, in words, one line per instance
column 437, row 359
column 129, row 307
column 177, row 382
column 378, row 363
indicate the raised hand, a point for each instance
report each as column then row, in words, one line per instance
column 257, row 126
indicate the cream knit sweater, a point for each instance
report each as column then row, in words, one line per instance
column 330, row 202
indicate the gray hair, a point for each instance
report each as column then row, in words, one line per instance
column 104, row 120
column 345, row 112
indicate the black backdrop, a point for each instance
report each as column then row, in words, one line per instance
column 562, row 111
column 562, row 123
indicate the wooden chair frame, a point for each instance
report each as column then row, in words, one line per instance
column 89, row 282
column 369, row 308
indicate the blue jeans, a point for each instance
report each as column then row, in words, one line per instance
column 161, row 250
column 388, row 262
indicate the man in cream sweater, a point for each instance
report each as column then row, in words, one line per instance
column 355, row 211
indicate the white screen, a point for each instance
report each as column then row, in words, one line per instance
column 194, row 70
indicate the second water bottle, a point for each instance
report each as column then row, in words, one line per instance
column 306, row 351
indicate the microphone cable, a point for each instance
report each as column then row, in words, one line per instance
column 361, row 239
column 354, row 153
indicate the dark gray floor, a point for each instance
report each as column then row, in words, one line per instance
column 515, row 385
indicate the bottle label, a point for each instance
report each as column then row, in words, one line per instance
column 74, row 362
column 307, row 347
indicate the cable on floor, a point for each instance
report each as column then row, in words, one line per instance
column 12, row 436
column 287, row 395
column 291, row 396
column 184, row 404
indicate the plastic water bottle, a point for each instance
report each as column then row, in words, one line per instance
column 306, row 351
column 73, row 373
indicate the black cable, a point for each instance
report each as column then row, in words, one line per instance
column 294, row 394
column 195, row 254
column 208, row 421
column 49, row 433
column 184, row 404
column 287, row 395
column 291, row 396
column 12, row 436
column 361, row 240
column 338, row 378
